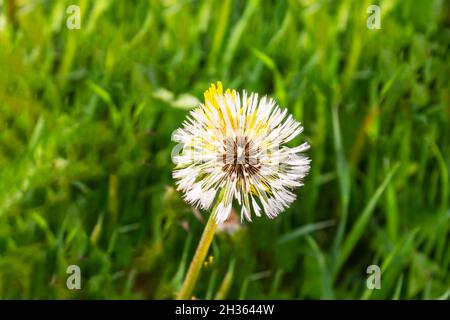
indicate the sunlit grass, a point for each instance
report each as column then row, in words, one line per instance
column 86, row 118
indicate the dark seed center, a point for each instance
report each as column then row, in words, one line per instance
column 240, row 158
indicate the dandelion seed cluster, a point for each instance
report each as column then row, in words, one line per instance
column 234, row 149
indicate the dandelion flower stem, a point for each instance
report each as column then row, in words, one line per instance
column 190, row 280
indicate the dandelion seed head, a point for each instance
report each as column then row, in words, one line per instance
column 234, row 150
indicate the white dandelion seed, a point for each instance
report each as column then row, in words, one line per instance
column 233, row 149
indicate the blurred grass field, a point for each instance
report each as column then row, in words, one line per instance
column 86, row 118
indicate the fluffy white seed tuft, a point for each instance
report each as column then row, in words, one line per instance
column 234, row 149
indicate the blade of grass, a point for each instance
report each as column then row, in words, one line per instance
column 237, row 32
column 360, row 225
column 304, row 230
column 403, row 243
column 221, row 25
column 344, row 182
column 327, row 289
column 398, row 288
column 226, row 283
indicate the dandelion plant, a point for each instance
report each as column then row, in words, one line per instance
column 234, row 150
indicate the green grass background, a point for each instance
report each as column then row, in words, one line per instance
column 86, row 118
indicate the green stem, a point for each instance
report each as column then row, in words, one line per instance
column 185, row 292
